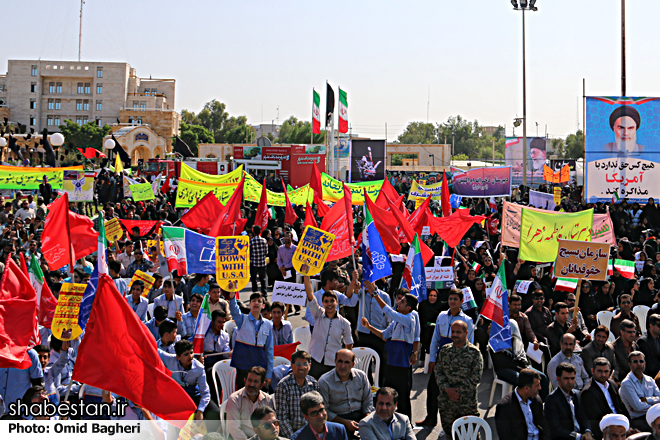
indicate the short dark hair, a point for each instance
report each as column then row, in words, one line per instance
column 300, row 354
column 41, row 349
column 329, row 275
column 515, row 298
column 526, row 377
column 278, row 305
column 55, row 344
column 138, row 283
column 654, row 319
column 636, row 353
column 213, row 286
column 168, row 283
column 218, row 314
column 600, row 362
column 560, row 305
column 160, row 313
column 310, row 400
column 387, row 391
column 166, row 326
column 627, row 324
column 565, row 366
column 256, row 295
column 267, row 307
column 182, row 346
column 197, row 296
column 538, row 292
column 327, row 294
column 602, row 329
column 259, row 371
column 114, row 266
column 30, row 393
column 411, row 301
column 458, row 292
column 260, row 412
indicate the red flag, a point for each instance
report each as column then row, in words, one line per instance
column 203, row 214
column 387, row 191
column 386, row 225
column 146, row 227
column 419, row 218
column 129, row 364
column 309, row 217
column 285, row 350
column 166, row 186
column 336, row 223
column 228, row 222
column 47, row 305
column 263, row 214
column 444, row 197
column 452, row 229
column 24, row 266
column 18, row 317
column 290, row 215
column 315, row 183
column 348, row 206
column 91, row 153
column 407, row 233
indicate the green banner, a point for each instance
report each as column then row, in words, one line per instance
column 142, row 191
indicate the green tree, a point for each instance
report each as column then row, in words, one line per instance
column 193, row 135
column 418, row 133
column 86, row 135
column 397, row 159
column 190, row 118
column 574, row 148
column 294, row 131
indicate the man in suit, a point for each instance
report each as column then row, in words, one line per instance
column 601, row 396
column 649, row 344
column 519, row 415
column 385, row 423
column 313, row 409
column 563, row 410
column 623, row 345
column 598, row 348
column 265, row 424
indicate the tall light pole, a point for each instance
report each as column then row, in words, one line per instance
column 524, row 5
column 623, row 47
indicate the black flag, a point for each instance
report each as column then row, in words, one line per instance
column 123, row 155
column 329, row 104
column 50, row 154
column 182, row 148
column 13, row 146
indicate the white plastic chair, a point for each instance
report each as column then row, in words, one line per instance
column 227, row 375
column 279, row 360
column 604, row 318
column 81, row 392
column 304, row 336
column 229, row 328
column 363, row 357
column 639, row 436
column 641, row 312
column 506, row 389
column 223, row 418
column 150, row 311
column 610, row 338
column 468, row 427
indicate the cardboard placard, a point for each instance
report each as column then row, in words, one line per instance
column 557, row 195
column 444, row 274
column 113, row 230
column 142, row 191
column 312, row 251
column 522, row 286
column 232, row 262
column 582, row 260
column 147, row 279
column 289, row 293
column 65, row 321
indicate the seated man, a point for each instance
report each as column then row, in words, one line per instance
column 282, row 329
column 601, row 396
column 653, row 420
column 160, row 315
column 625, row 301
column 137, row 302
column 649, row 344
column 190, row 318
column 313, row 410
column 519, row 416
column 615, row 426
column 265, row 424
column 346, row 391
column 216, row 340
column 563, row 411
column 623, row 346
column 566, row 355
column 173, row 303
column 599, row 347
column 168, row 336
column 290, row 389
column 639, row 391
column 189, row 373
column 242, row 403
column 385, row 423
column 560, row 326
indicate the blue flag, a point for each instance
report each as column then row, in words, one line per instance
column 498, row 303
column 88, row 298
column 375, row 262
column 200, row 253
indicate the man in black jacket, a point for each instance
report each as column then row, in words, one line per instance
column 563, row 410
column 520, row 414
column 649, row 344
column 595, row 402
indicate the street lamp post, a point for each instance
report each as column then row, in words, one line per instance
column 432, row 156
column 524, row 5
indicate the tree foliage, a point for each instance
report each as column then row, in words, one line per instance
column 571, row 148
column 216, row 120
column 193, row 135
column 294, row 131
column 86, row 135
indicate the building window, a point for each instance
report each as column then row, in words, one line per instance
column 99, row 106
column 98, row 122
column 99, row 89
column 99, row 72
column 88, row 89
column 51, row 105
column 49, row 120
column 33, row 120
column 79, row 104
column 136, row 104
column 33, row 104
column 3, row 88
column 59, row 88
column 58, row 104
column 33, row 87
column 143, row 105
column 80, row 88
column 79, row 120
column 2, row 102
column 34, row 70
column 86, row 104
column 57, row 120
column 51, row 87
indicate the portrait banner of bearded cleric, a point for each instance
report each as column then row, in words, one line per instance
column 622, row 149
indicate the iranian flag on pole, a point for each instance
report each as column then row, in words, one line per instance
column 626, row 268
column 566, row 284
column 175, row 249
column 316, row 113
column 203, row 322
column 102, row 256
column 343, row 112
column 46, row 302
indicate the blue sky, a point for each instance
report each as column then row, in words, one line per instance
column 257, row 56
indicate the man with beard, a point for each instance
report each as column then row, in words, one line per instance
column 242, row 403
column 624, row 121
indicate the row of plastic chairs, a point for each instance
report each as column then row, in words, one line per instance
column 605, row 317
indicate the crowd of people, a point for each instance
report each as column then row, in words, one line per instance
column 591, row 368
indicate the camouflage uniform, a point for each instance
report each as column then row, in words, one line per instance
column 458, row 368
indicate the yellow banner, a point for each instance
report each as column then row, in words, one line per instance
column 417, row 190
column 65, row 321
column 333, row 190
column 312, row 251
column 232, row 262
column 113, row 230
column 540, row 232
column 147, row 279
column 193, row 175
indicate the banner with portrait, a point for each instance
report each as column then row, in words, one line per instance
column 367, row 162
column 622, row 149
column 536, row 158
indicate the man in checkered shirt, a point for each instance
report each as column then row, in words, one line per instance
column 289, row 391
column 258, row 253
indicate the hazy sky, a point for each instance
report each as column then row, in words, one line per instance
column 256, row 56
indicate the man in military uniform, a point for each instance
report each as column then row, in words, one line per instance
column 458, row 371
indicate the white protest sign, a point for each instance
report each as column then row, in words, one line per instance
column 426, row 230
column 522, row 286
column 289, row 293
column 442, row 273
column 396, row 258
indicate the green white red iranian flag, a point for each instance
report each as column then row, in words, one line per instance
column 343, row 112
column 316, row 113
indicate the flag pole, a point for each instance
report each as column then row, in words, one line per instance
column 311, row 140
